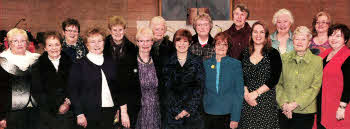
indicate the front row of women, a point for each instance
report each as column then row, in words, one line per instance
column 261, row 90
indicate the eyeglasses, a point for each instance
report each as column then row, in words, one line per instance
column 222, row 44
column 19, row 42
column 72, row 31
column 203, row 25
column 323, row 22
column 144, row 41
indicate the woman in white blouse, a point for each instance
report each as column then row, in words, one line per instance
column 92, row 85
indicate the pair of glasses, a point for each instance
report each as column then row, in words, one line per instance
column 19, row 41
column 144, row 41
column 72, row 31
column 319, row 23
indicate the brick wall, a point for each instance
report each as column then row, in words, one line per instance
column 44, row 15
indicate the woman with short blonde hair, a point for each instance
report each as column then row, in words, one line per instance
column 282, row 38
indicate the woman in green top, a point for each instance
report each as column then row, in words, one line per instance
column 299, row 83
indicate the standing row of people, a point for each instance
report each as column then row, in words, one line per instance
column 242, row 78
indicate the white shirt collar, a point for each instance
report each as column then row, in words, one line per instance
column 96, row 59
column 21, row 61
column 203, row 42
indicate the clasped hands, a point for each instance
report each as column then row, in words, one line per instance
column 288, row 109
column 250, row 98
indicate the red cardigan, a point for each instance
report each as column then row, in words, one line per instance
column 332, row 88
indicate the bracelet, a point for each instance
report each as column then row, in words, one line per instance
column 342, row 107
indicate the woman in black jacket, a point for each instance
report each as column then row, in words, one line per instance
column 49, row 82
column 184, row 81
column 92, row 85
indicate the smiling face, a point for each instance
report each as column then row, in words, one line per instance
column 301, row 42
column 71, row 34
column 95, row 44
column 158, row 31
column 239, row 17
column 221, row 47
column 182, row 45
column 258, row 34
column 283, row 23
column 53, row 47
column 203, row 27
column 322, row 24
column 336, row 40
column 145, row 44
column 117, row 32
column 18, row 45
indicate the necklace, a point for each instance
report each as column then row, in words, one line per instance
column 148, row 62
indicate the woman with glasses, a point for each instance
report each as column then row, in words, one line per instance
column 18, row 108
column 139, row 88
column 320, row 25
column 223, row 93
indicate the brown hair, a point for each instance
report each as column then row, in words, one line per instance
column 116, row 20
column 94, row 31
column 223, row 37
column 70, row 22
column 267, row 44
column 182, row 34
column 51, row 35
column 243, row 8
column 314, row 20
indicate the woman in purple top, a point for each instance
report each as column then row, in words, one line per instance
column 320, row 25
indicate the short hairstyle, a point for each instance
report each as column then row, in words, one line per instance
column 315, row 18
column 302, row 30
column 281, row 12
column 343, row 29
column 144, row 31
column 223, row 37
column 200, row 17
column 16, row 31
column 158, row 20
column 70, row 22
column 116, row 20
column 182, row 34
column 267, row 44
column 51, row 35
column 92, row 31
column 243, row 8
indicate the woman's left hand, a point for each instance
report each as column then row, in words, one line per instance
column 184, row 113
column 340, row 113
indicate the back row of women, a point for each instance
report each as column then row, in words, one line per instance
column 242, row 78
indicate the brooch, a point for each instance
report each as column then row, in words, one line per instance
column 135, row 70
column 212, row 66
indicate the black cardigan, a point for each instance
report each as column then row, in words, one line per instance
column 85, row 86
column 48, row 86
column 5, row 94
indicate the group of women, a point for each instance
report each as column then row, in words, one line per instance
column 190, row 82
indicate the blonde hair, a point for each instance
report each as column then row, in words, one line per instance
column 144, row 31
column 158, row 20
column 202, row 16
column 16, row 31
column 314, row 20
column 281, row 12
column 302, row 30
column 116, row 20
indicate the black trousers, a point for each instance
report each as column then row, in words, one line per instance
column 319, row 105
column 216, row 121
column 105, row 121
column 298, row 121
column 27, row 118
column 56, row 121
